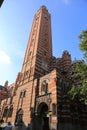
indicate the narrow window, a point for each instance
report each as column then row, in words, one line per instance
column 21, row 94
column 5, row 112
column 54, row 109
column 44, row 88
column 24, row 93
column 10, row 111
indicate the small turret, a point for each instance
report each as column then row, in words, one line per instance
column 6, row 83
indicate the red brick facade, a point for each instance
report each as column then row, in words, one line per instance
column 39, row 93
column 4, row 92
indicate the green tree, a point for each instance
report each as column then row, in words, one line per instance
column 79, row 87
column 83, row 42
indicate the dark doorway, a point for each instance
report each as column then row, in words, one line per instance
column 41, row 121
column 46, row 123
column 42, row 109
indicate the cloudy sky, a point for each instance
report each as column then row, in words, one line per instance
column 68, row 18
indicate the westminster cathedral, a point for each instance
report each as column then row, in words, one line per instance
column 39, row 94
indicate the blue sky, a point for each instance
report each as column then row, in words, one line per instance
column 68, row 18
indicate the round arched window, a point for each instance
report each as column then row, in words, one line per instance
column 44, row 87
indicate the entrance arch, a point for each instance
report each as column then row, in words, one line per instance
column 41, row 121
column 19, row 117
column 42, row 109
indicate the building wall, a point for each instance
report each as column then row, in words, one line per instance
column 40, row 89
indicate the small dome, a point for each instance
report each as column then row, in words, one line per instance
column 65, row 52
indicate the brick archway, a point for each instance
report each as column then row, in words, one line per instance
column 19, row 117
column 42, row 109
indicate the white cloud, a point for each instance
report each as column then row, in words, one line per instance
column 4, row 58
column 66, row 1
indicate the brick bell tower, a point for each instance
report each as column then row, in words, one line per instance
column 36, row 65
column 39, row 48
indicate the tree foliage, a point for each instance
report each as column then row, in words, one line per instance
column 79, row 86
column 83, row 43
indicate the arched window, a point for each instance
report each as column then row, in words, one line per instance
column 44, row 87
column 5, row 112
column 54, row 109
column 21, row 94
column 24, row 93
column 10, row 111
column 19, row 116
